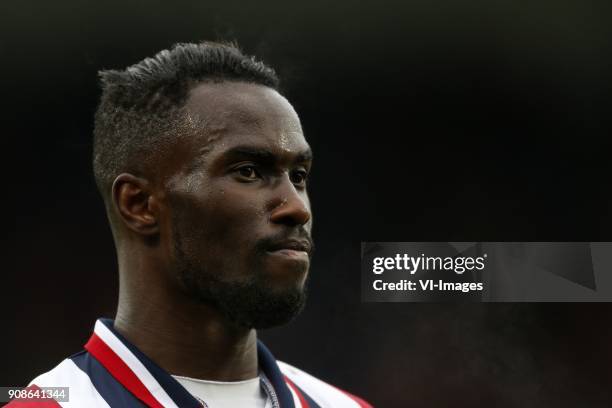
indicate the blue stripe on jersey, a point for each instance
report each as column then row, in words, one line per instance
column 113, row 392
column 184, row 399
column 176, row 391
column 269, row 366
column 309, row 400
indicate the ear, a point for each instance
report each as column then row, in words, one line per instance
column 136, row 206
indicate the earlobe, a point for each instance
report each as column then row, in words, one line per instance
column 134, row 202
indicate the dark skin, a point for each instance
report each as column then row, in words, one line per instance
column 236, row 181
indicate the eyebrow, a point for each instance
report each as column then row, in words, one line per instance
column 262, row 155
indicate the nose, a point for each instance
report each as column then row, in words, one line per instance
column 291, row 206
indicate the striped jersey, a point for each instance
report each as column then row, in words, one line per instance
column 112, row 372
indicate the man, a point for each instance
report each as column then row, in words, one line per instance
column 202, row 166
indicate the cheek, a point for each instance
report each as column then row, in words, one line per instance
column 230, row 223
column 220, row 225
column 234, row 213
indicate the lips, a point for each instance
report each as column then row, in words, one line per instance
column 292, row 245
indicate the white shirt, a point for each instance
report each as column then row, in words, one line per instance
column 219, row 394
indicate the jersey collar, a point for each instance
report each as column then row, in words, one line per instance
column 154, row 386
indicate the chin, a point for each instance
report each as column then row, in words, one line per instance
column 272, row 307
column 286, row 276
column 262, row 302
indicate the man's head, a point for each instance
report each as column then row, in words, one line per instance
column 203, row 165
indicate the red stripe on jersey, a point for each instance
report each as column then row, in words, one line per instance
column 362, row 403
column 33, row 402
column 118, row 369
column 295, row 389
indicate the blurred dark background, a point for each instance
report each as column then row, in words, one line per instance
column 430, row 121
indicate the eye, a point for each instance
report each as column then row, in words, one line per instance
column 299, row 177
column 248, row 172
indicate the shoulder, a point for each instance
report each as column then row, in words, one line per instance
column 322, row 393
column 81, row 391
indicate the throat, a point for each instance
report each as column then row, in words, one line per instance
column 205, row 349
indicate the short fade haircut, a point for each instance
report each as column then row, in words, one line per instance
column 141, row 107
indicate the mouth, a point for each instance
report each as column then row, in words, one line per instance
column 292, row 245
column 292, row 249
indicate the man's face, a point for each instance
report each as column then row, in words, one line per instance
column 240, row 220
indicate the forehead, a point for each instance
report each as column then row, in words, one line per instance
column 231, row 113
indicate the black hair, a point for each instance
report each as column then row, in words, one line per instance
column 140, row 107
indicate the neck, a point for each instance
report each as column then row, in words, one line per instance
column 186, row 338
